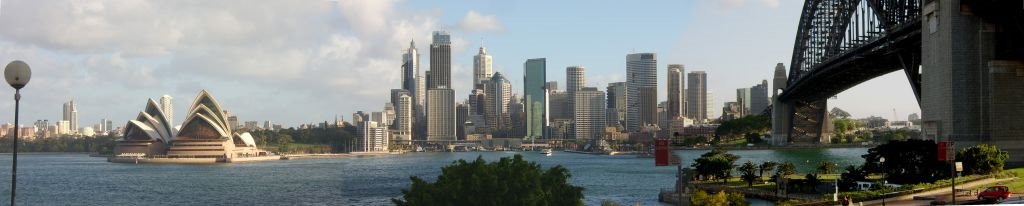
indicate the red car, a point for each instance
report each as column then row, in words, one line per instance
column 995, row 193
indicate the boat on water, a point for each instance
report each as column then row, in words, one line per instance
column 546, row 152
column 419, row 149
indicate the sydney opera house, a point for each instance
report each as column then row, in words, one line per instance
column 204, row 137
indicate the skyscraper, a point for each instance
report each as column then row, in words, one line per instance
column 697, row 96
column 551, row 86
column 403, row 118
column 411, row 71
column 499, row 93
column 574, row 81
column 461, row 116
column 481, row 68
column 759, row 98
column 168, row 108
column 617, row 102
column 441, row 115
column 536, row 104
column 675, row 91
column 440, row 75
column 589, row 114
column 743, row 100
column 71, row 115
column 642, row 90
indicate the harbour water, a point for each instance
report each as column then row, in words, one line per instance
column 77, row 179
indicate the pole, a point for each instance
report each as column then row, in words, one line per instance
column 680, row 187
column 952, row 168
column 14, row 160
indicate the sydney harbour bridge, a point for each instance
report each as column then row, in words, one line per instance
column 964, row 60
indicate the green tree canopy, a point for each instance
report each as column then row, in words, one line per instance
column 787, row 168
column 766, row 167
column 509, row 181
column 721, row 198
column 982, row 159
column 749, row 173
column 908, row 161
column 717, row 163
column 826, row 167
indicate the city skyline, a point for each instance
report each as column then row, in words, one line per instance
column 352, row 51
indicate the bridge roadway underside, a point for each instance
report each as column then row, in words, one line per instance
column 898, row 50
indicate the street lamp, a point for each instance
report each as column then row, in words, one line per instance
column 17, row 74
column 881, row 162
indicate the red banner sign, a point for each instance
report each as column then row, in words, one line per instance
column 661, row 151
column 942, row 150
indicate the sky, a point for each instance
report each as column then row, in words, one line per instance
column 294, row 62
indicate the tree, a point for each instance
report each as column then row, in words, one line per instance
column 908, row 161
column 848, row 180
column 702, row 198
column 283, row 141
column 982, row 159
column 826, row 167
column 786, row 169
column 766, row 166
column 508, row 181
column 749, row 173
column 717, row 163
column 836, row 112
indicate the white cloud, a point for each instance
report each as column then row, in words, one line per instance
column 477, row 22
column 309, row 52
column 771, row 3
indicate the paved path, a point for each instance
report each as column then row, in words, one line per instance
column 939, row 194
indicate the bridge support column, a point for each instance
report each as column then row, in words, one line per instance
column 972, row 74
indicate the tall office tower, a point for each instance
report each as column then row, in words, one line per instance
column 589, row 114
column 397, row 93
column 517, row 117
column 389, row 115
column 536, row 104
column 481, row 68
column 403, row 118
column 499, row 93
column 558, row 106
column 675, row 91
column 759, row 98
column 168, row 108
column 461, row 116
column 574, row 81
column 710, row 112
column 411, row 73
column 267, row 125
column 71, row 115
column 743, row 99
column 642, row 90
column 696, row 96
column 477, row 99
column 440, row 75
column 551, row 86
column 441, row 114
column 617, row 103
column 378, row 117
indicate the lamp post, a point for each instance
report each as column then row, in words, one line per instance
column 17, row 74
column 881, row 162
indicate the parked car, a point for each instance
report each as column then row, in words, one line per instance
column 998, row 192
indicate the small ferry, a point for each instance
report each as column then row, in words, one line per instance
column 546, row 152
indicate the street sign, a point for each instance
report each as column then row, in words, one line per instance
column 959, row 167
column 661, row 150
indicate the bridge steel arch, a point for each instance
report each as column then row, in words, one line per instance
column 839, row 44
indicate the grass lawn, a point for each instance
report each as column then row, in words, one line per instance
column 1016, row 186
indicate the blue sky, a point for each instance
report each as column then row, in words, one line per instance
column 295, row 62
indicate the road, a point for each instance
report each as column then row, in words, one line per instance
column 942, row 194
